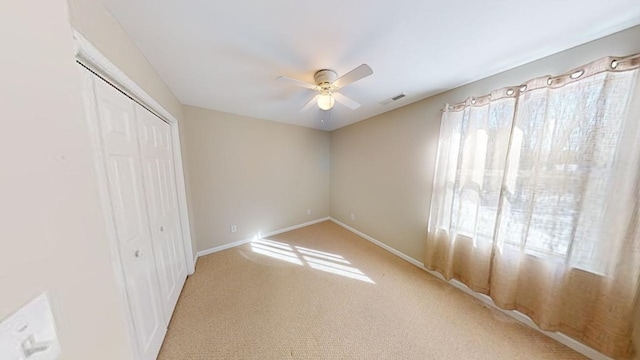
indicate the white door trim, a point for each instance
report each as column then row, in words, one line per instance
column 91, row 57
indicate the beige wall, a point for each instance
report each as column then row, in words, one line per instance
column 52, row 233
column 382, row 167
column 97, row 25
column 258, row 175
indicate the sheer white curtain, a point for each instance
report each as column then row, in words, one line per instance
column 535, row 200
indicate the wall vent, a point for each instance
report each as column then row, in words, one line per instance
column 392, row 99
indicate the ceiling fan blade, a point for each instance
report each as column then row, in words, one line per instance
column 354, row 75
column 310, row 103
column 297, row 82
column 351, row 104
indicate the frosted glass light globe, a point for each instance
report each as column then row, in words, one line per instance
column 326, row 101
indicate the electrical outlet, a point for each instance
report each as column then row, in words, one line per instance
column 308, row 211
column 234, row 228
column 353, row 217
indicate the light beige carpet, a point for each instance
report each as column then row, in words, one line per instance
column 321, row 292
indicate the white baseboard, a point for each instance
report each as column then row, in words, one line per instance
column 245, row 241
column 559, row 337
column 381, row 244
column 222, row 247
column 296, row 227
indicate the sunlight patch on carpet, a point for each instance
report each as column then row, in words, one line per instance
column 316, row 259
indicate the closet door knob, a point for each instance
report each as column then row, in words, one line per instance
column 161, row 228
column 138, row 253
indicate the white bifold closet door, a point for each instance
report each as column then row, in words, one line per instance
column 160, row 186
column 138, row 159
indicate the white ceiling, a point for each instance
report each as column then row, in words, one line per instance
column 225, row 55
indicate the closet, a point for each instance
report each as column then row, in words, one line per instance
column 135, row 160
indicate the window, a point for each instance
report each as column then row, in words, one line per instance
column 542, row 173
column 536, row 200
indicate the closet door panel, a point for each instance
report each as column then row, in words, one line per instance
column 160, row 186
column 116, row 118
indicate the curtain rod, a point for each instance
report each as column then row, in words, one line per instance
column 606, row 64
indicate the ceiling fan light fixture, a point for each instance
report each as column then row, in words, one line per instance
column 328, row 85
column 326, row 101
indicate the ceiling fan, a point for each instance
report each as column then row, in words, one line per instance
column 327, row 83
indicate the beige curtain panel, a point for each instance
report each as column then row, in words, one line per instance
column 535, row 200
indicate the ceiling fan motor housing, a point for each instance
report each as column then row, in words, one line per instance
column 327, row 84
column 324, row 78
